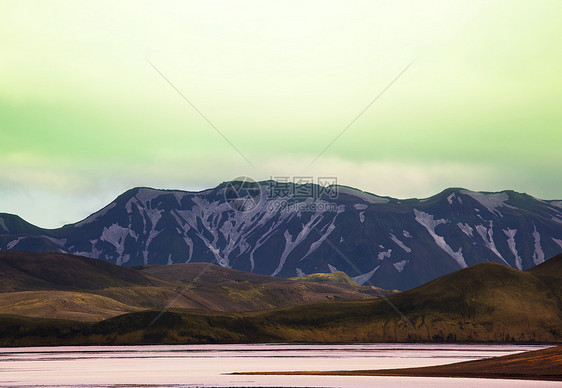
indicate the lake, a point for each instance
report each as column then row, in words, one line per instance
column 209, row 365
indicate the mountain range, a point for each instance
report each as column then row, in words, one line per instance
column 386, row 242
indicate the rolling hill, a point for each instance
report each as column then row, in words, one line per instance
column 337, row 277
column 487, row 302
column 25, row 271
column 84, row 289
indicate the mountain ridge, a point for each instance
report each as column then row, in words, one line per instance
column 383, row 241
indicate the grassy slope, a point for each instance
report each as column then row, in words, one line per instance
column 486, row 302
column 79, row 288
column 78, row 306
column 25, row 271
column 335, row 277
column 219, row 288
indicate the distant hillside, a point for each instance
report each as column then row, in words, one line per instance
column 551, row 273
column 25, row 271
column 203, row 273
column 380, row 241
column 79, row 288
column 487, row 302
column 334, row 277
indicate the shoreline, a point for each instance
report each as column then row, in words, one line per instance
column 544, row 364
column 429, row 343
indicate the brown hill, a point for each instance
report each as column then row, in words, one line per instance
column 484, row 303
column 79, row 288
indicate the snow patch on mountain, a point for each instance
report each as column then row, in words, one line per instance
column 123, row 259
column 206, row 217
column 400, row 265
column 490, row 201
column 450, row 198
column 360, row 206
column 557, row 241
column 183, row 229
column 510, row 233
column 13, row 243
column 179, row 196
column 466, row 229
column 3, row 225
column 325, row 232
column 364, row 278
column 94, row 253
column 428, row 222
column 384, row 254
column 244, row 246
column 367, row 197
column 361, row 217
column 189, row 243
column 96, row 215
column 400, row 243
column 332, row 268
column 291, row 244
column 154, row 216
column 130, row 203
column 259, row 243
column 299, row 272
column 153, row 233
column 488, row 238
column 538, row 255
column 146, row 195
column 116, row 235
column 406, row 234
column 58, row 241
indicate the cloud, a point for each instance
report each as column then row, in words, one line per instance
column 392, row 178
column 52, row 193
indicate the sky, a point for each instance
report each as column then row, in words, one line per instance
column 459, row 94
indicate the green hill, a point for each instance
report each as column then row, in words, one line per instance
column 335, row 277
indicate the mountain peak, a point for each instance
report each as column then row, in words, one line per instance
column 390, row 243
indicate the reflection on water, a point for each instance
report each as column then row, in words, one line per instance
column 209, row 365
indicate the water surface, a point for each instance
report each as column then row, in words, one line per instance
column 210, row 365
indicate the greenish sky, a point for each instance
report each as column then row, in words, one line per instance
column 83, row 115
